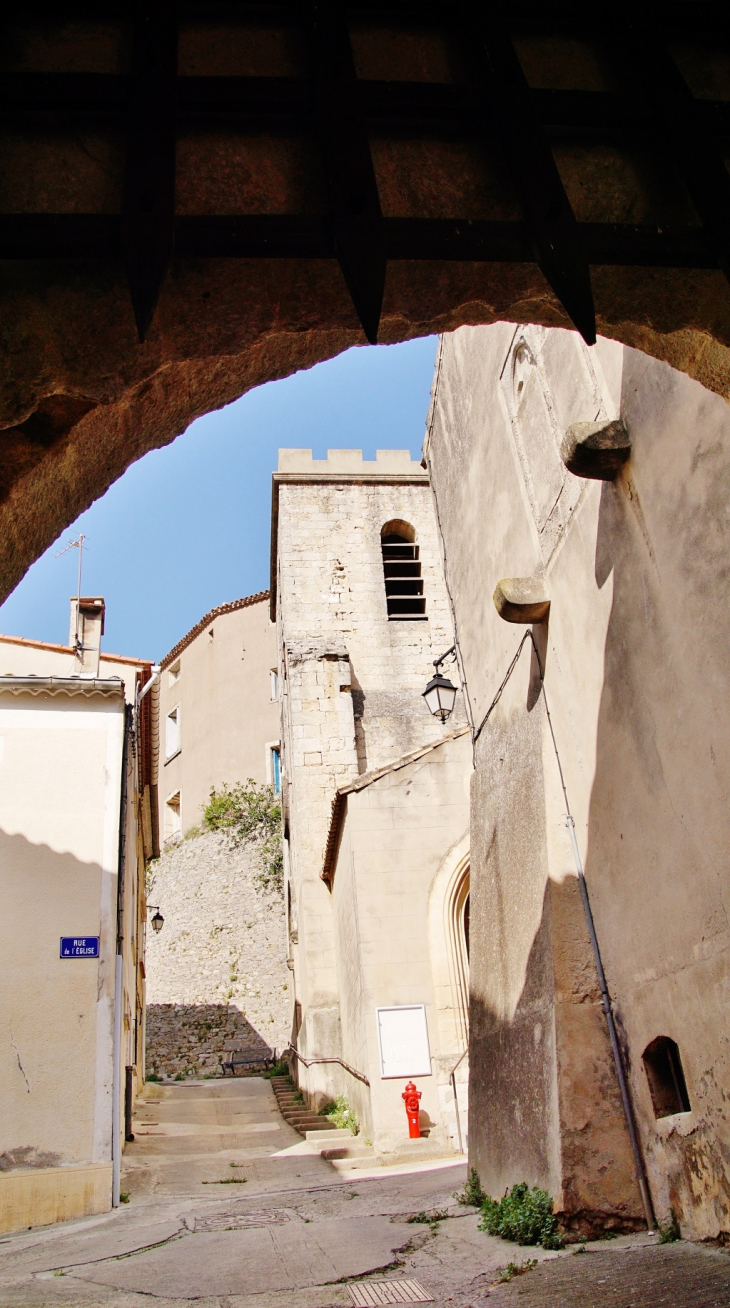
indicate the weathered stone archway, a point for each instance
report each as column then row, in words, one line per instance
column 253, row 182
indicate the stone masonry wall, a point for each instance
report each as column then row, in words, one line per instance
column 352, row 680
column 217, row 977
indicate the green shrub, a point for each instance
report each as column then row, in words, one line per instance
column 280, row 1068
column 248, row 811
column 339, row 1113
column 524, row 1216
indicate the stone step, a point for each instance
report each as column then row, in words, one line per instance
column 354, row 1164
column 413, row 1151
column 300, row 1114
column 338, row 1152
column 327, row 1134
column 309, row 1121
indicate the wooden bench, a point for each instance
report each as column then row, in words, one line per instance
column 238, row 1059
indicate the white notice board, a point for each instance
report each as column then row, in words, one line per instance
column 403, row 1040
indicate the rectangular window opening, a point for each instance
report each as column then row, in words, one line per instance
column 172, row 733
column 173, row 818
column 276, row 769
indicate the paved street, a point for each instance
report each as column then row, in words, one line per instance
column 228, row 1209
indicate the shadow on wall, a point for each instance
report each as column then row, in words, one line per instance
column 659, row 822
column 193, row 1039
column 548, row 1074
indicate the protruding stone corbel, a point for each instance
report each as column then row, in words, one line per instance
column 522, row 599
column 597, row 450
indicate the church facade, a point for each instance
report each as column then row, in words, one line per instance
column 374, row 793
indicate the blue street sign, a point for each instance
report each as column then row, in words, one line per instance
column 79, row 946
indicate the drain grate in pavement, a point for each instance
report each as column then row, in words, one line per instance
column 368, row 1294
column 241, row 1221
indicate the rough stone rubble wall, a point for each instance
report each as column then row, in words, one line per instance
column 217, row 977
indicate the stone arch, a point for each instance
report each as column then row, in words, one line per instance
column 397, row 527
column 450, row 972
column 448, row 948
column 258, row 252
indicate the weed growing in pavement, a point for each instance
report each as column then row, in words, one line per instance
column 517, row 1269
column 580, row 1250
column 523, row 1215
column 124, row 1196
column 152, row 1076
column 472, row 1195
column 668, row 1230
column 227, row 1180
column 428, row 1219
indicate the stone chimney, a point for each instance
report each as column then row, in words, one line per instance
column 86, row 638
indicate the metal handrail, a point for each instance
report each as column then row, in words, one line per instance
column 309, row 1062
column 452, row 1078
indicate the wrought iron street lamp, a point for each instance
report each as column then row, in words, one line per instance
column 440, row 693
column 158, row 920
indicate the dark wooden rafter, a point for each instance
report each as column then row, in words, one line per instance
column 147, row 227
column 679, row 126
column 289, row 236
column 356, row 217
column 526, row 152
column 341, row 112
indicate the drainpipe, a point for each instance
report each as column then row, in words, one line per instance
column 615, row 1048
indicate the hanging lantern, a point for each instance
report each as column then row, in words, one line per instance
column 440, row 694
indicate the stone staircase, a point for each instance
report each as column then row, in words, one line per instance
column 296, row 1113
column 339, row 1147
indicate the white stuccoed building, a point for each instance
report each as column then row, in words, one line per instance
column 375, row 792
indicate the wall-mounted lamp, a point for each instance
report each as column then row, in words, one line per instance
column 440, row 693
column 158, row 920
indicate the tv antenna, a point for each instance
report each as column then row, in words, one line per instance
column 77, row 544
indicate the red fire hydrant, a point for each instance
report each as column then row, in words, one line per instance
column 411, row 1097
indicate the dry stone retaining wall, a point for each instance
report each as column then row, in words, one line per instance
column 217, row 977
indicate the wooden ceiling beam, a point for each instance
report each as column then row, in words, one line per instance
column 148, row 201
column 528, row 158
column 354, row 203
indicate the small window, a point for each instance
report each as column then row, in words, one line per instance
column 274, row 684
column 276, row 769
column 173, row 673
column 173, row 817
column 402, row 570
column 667, row 1086
column 172, row 733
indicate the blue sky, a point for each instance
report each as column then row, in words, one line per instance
column 187, row 527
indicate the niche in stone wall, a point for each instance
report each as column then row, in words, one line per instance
column 665, row 1074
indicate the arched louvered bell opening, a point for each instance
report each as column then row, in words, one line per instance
column 403, row 582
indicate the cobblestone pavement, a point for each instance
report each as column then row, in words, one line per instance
column 228, row 1210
